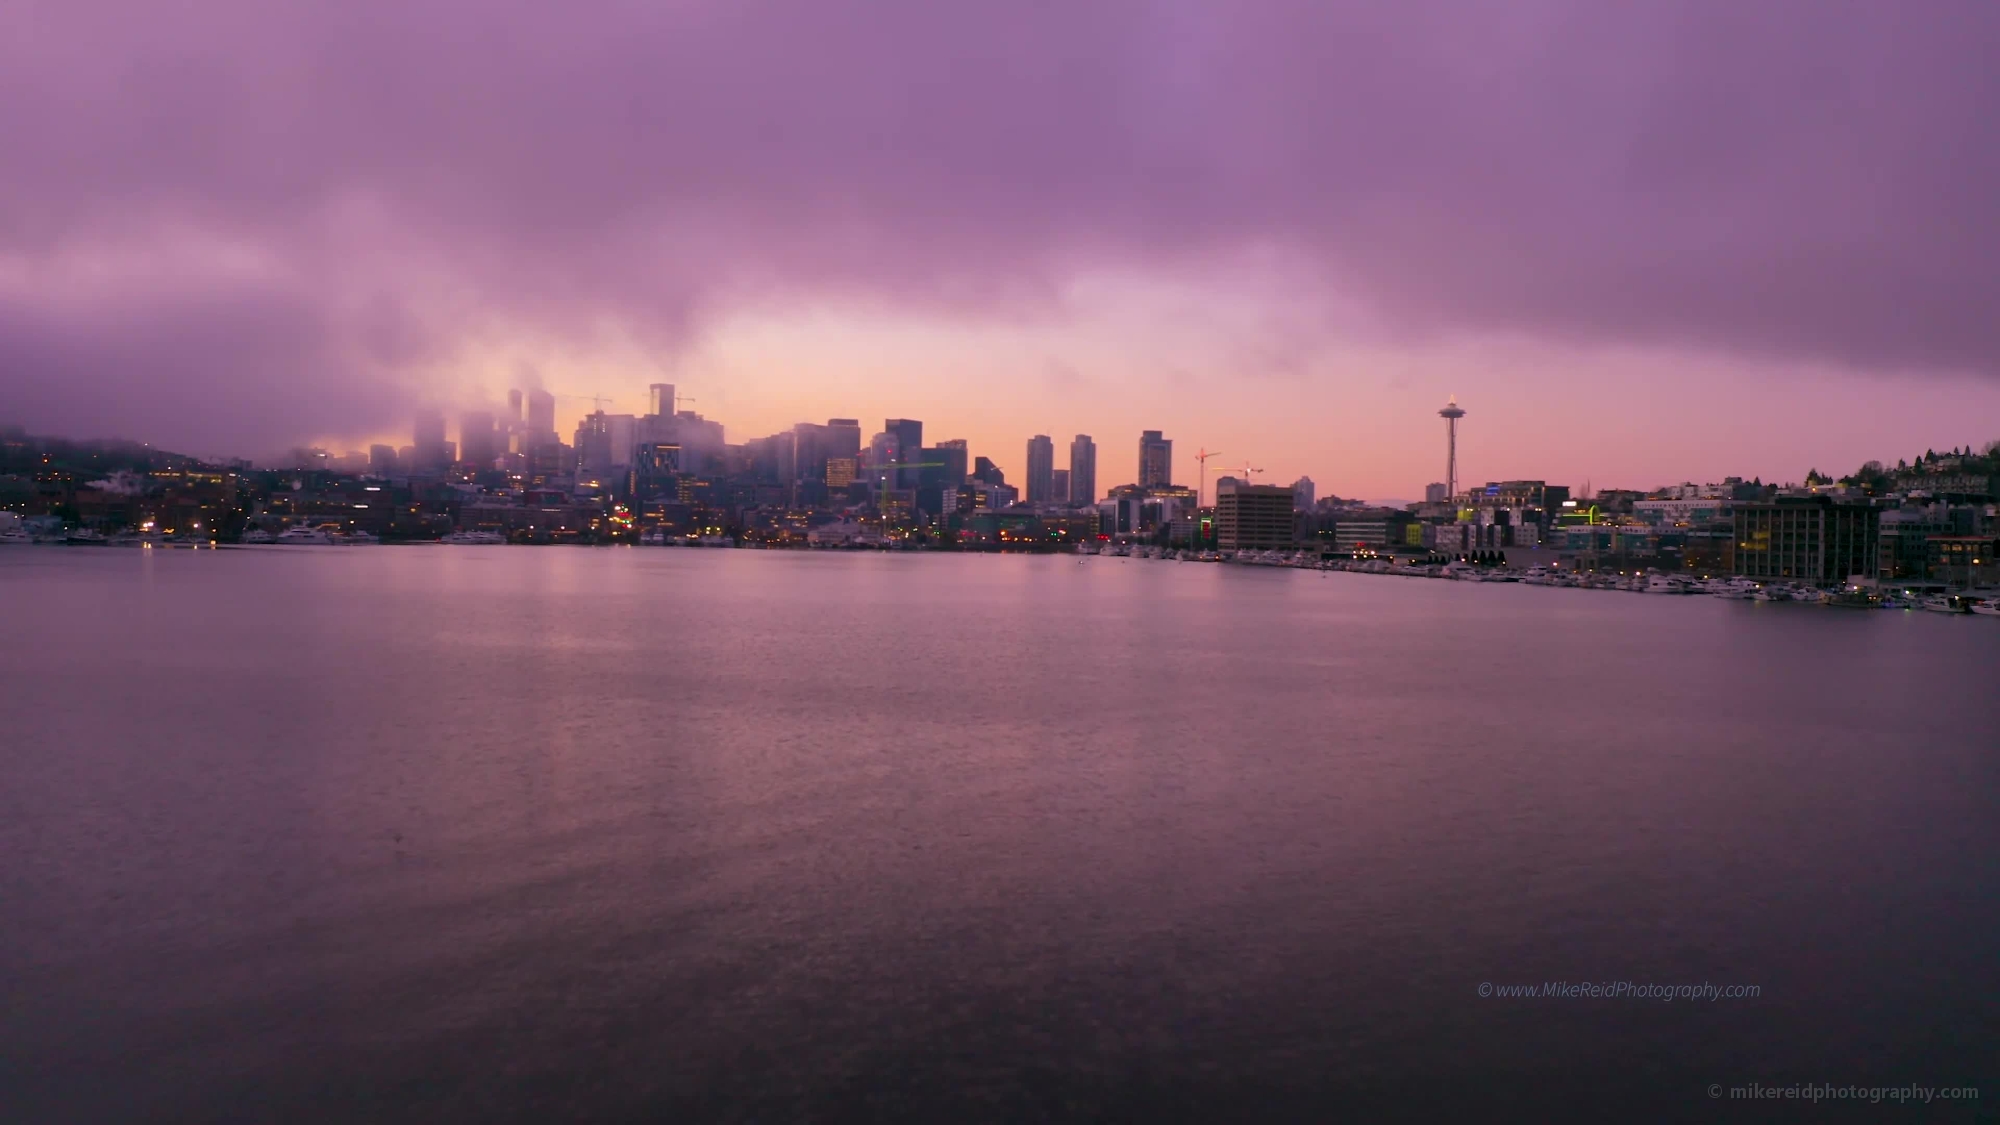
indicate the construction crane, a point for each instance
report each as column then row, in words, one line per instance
column 598, row 401
column 1201, row 456
column 1247, row 471
column 892, row 469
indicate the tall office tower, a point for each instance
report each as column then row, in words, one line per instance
column 843, row 438
column 514, row 405
column 432, row 451
column 1059, row 486
column 1302, row 494
column 808, row 451
column 909, row 435
column 542, row 416
column 956, row 458
column 624, row 430
column 1041, row 466
column 475, row 438
column 429, row 430
column 884, row 449
column 1156, row 459
column 660, row 400
column 593, row 445
column 984, row 469
column 1082, row 471
column 382, row 459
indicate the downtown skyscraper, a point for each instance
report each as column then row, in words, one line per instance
column 1082, row 470
column 1156, row 459
column 1041, row 467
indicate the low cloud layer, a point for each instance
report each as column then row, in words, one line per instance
column 237, row 223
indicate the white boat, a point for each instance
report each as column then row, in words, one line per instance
column 306, row 534
column 1986, row 607
column 84, row 535
column 1737, row 589
column 1942, row 603
column 355, row 539
column 1668, row 584
column 258, row 535
column 14, row 531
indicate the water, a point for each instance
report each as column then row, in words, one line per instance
column 424, row 834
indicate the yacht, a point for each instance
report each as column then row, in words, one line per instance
column 1851, row 597
column 1667, row 584
column 1942, row 603
column 494, row 538
column 86, row 537
column 258, row 535
column 1985, row 607
column 1897, row 601
column 1736, row 589
column 355, row 539
column 305, row 533
column 13, row 531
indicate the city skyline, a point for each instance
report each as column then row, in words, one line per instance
column 250, row 229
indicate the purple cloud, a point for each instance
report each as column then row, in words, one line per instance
column 1787, row 179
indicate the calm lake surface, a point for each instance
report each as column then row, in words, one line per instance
column 515, row 834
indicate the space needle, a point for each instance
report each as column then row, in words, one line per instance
column 1451, row 413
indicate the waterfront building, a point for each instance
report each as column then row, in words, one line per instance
column 1816, row 539
column 1904, row 553
column 1964, row 561
column 1352, row 529
column 1302, row 494
column 1252, row 516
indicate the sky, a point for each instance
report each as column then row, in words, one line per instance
column 1641, row 242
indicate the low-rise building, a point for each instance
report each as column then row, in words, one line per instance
column 1817, row 539
column 1252, row 516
